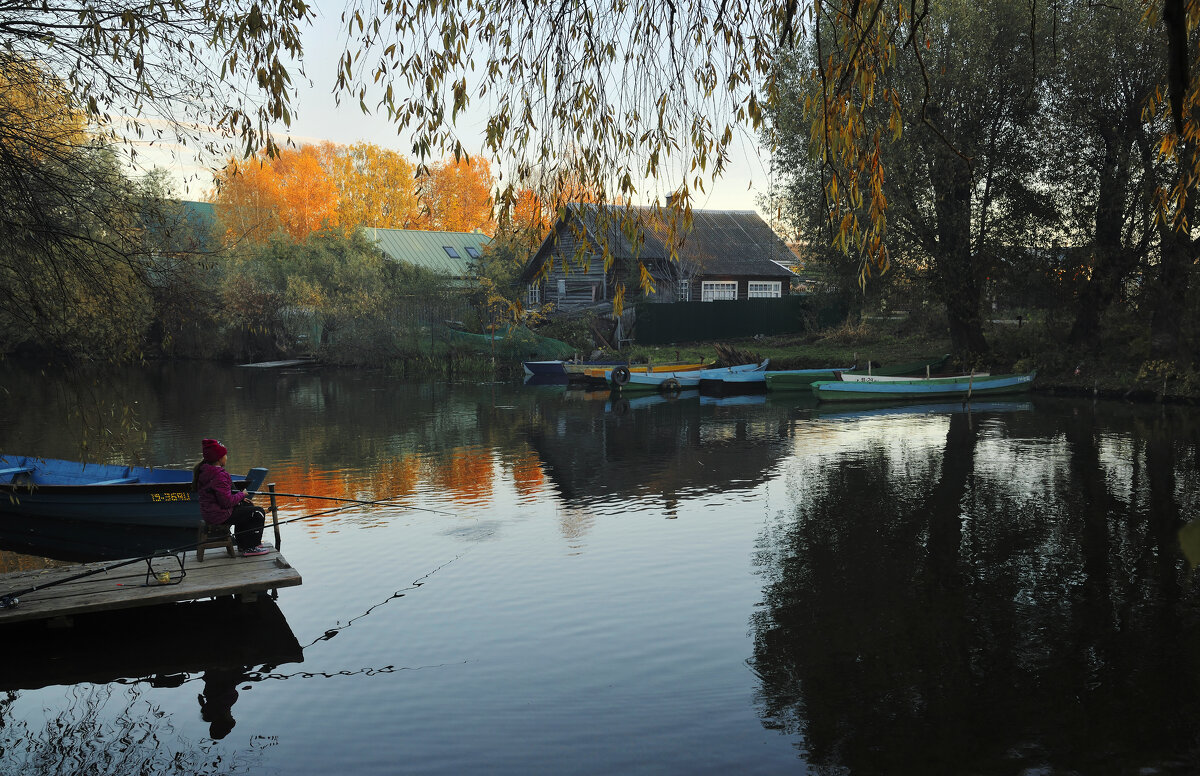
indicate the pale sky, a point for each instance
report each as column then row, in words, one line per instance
column 317, row 117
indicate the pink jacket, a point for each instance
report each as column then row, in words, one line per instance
column 216, row 495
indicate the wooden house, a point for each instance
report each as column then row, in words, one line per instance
column 724, row 255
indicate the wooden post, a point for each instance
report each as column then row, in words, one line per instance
column 274, row 514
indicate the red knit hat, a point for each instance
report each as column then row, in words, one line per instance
column 213, row 450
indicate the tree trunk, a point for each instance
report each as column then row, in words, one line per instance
column 957, row 279
column 1112, row 261
column 1176, row 254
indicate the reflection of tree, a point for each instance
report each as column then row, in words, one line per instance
column 113, row 730
column 982, row 609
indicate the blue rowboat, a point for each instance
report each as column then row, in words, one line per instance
column 937, row 388
column 74, row 510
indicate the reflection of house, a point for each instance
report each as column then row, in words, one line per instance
column 725, row 254
column 669, row 449
column 450, row 255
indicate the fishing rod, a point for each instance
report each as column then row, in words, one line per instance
column 11, row 600
column 385, row 503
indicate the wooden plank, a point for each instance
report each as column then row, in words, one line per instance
column 125, row 587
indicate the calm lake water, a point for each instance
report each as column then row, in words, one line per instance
column 583, row 586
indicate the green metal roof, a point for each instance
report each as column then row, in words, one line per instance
column 428, row 249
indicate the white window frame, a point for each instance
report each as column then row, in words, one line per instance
column 764, row 289
column 533, row 295
column 683, row 292
column 718, row 290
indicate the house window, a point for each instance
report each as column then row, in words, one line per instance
column 451, row 252
column 718, row 290
column 533, row 295
column 684, row 292
column 764, row 289
column 472, row 251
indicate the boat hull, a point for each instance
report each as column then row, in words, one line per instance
column 555, row 368
column 677, row 380
column 604, row 373
column 797, row 379
column 830, row 391
column 48, row 503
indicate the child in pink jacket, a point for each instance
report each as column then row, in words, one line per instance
column 219, row 505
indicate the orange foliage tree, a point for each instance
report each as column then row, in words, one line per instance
column 376, row 186
column 299, row 191
column 290, row 192
column 456, row 196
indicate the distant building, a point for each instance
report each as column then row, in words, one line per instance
column 448, row 254
column 183, row 226
column 725, row 255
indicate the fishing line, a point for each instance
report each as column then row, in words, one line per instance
column 416, row 583
column 385, row 503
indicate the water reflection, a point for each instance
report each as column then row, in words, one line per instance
column 1002, row 605
column 145, row 645
column 217, row 699
column 115, row 663
column 936, row 589
column 665, row 448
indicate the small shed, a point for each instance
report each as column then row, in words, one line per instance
column 722, row 255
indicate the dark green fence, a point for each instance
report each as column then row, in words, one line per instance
column 662, row 324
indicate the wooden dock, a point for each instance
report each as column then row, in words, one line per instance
column 127, row 586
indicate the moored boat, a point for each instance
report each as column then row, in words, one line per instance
column 566, row 368
column 802, row 379
column 798, row 379
column 74, row 510
column 862, row 377
column 604, row 373
column 544, row 368
column 936, row 388
column 622, row 379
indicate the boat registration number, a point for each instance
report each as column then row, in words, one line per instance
column 171, row 496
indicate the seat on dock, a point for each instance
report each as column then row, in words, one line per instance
column 212, row 537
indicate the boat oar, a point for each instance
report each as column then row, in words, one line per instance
column 385, row 503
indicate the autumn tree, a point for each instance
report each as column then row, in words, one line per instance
column 199, row 74
column 76, row 258
column 456, row 196
column 958, row 180
column 289, row 191
column 627, row 98
column 376, row 186
column 1100, row 142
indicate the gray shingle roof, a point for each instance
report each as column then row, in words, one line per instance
column 720, row 242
